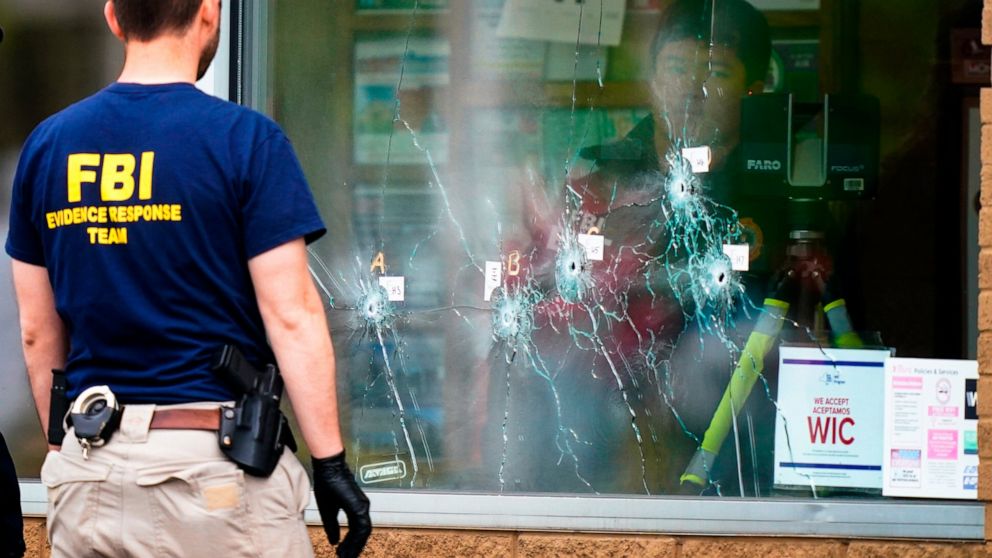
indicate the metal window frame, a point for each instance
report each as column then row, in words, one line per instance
column 641, row 514
column 248, row 65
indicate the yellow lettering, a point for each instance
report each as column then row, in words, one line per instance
column 380, row 263
column 145, row 177
column 101, row 235
column 118, row 236
column 77, row 175
column 513, row 263
column 88, row 214
column 117, row 180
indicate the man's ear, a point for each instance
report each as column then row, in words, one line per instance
column 111, row 16
column 756, row 88
column 209, row 14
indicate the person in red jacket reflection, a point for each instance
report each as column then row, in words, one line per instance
column 605, row 329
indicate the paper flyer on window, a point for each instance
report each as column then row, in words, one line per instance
column 829, row 429
column 502, row 58
column 592, row 23
column 381, row 133
column 931, row 428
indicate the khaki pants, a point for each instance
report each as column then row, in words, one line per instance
column 160, row 493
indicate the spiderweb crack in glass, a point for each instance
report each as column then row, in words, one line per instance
column 568, row 348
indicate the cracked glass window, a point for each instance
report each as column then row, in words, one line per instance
column 562, row 232
column 625, row 247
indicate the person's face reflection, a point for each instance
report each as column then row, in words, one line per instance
column 697, row 92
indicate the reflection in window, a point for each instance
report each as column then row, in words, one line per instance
column 578, row 266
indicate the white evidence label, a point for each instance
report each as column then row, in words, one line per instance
column 739, row 254
column 593, row 244
column 494, row 278
column 395, row 286
column 699, row 158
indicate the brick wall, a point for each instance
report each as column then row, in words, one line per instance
column 410, row 543
column 985, row 294
column 404, row 543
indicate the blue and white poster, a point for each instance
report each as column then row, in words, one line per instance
column 828, row 432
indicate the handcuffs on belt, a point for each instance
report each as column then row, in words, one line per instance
column 94, row 416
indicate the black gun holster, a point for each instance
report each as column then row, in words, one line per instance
column 254, row 431
column 58, row 407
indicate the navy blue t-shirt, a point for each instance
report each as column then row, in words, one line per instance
column 145, row 203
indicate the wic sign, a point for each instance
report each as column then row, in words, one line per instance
column 829, row 429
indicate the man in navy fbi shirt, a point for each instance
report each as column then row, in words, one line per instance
column 152, row 224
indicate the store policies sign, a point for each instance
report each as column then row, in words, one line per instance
column 931, row 428
column 829, row 429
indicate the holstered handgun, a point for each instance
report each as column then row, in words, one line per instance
column 58, row 407
column 254, row 432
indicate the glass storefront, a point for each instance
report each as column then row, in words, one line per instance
column 569, row 240
column 630, row 248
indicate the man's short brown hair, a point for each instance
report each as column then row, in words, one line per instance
column 735, row 24
column 144, row 20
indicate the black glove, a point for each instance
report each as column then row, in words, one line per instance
column 334, row 488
